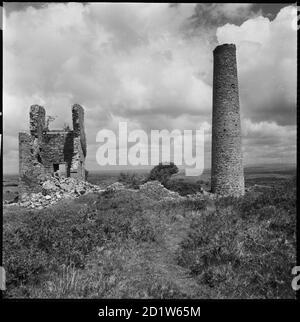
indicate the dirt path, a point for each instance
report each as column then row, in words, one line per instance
column 164, row 261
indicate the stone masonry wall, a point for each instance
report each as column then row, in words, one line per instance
column 30, row 169
column 227, row 164
column 43, row 150
column 79, row 153
column 56, row 148
column 37, row 120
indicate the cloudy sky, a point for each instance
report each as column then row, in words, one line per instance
column 150, row 65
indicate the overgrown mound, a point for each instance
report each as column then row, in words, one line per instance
column 185, row 188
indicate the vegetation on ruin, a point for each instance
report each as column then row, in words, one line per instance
column 164, row 174
column 125, row 245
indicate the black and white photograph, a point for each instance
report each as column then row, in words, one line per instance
column 149, row 152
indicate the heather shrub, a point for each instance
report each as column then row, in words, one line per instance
column 246, row 248
column 183, row 187
column 67, row 233
column 162, row 172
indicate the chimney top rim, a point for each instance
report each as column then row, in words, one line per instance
column 223, row 47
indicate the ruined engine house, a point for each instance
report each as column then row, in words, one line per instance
column 44, row 152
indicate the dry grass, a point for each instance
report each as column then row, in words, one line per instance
column 125, row 245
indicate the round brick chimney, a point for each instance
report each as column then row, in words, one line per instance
column 227, row 177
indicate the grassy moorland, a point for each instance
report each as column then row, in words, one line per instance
column 124, row 244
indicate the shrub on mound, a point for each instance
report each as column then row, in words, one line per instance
column 162, row 172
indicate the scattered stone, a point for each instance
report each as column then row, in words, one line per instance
column 115, row 186
column 48, row 187
column 57, row 188
column 66, row 187
column 155, row 190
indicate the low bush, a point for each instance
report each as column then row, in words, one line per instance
column 162, row 172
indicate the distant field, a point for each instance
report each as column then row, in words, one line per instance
column 261, row 175
column 268, row 175
column 10, row 186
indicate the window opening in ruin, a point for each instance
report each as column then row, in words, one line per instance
column 81, row 168
column 62, row 169
column 39, row 158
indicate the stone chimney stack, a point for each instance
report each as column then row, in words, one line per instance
column 227, row 177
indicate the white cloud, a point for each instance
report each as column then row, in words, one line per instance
column 123, row 60
column 267, row 60
column 135, row 62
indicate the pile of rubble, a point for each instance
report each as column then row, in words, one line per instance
column 155, row 190
column 115, row 186
column 55, row 189
column 201, row 195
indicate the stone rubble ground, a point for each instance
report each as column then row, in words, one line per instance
column 55, row 189
column 155, row 190
column 58, row 188
column 202, row 195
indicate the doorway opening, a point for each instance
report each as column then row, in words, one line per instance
column 60, row 169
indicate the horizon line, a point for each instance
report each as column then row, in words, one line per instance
column 131, row 168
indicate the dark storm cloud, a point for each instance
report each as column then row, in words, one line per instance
column 269, row 10
column 281, row 112
column 19, row 6
column 218, row 14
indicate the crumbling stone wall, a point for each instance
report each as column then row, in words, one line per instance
column 42, row 151
column 77, row 168
column 37, row 120
column 31, row 170
column 227, row 176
